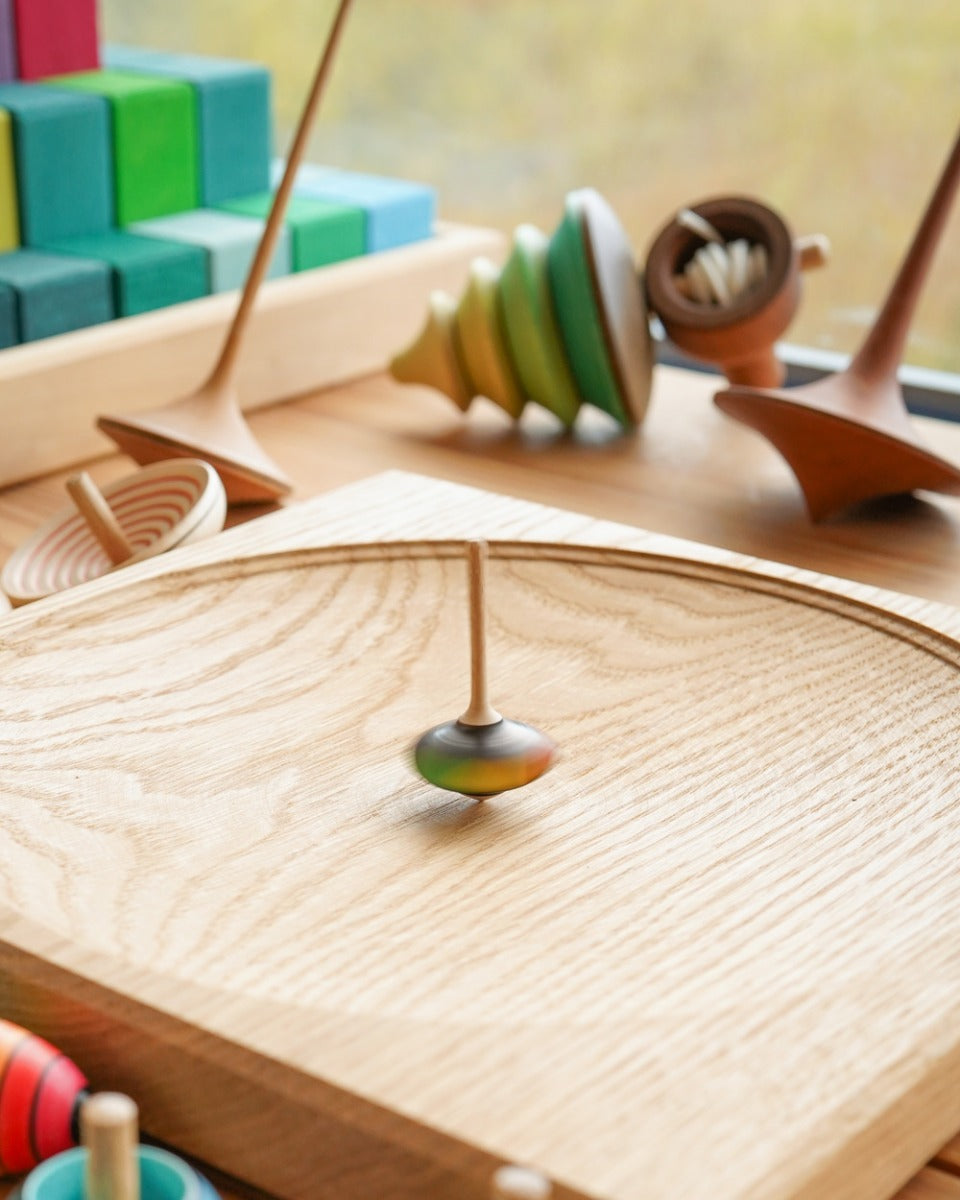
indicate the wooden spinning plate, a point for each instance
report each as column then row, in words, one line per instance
column 712, row 954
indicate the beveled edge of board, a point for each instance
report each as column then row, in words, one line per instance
column 390, row 1155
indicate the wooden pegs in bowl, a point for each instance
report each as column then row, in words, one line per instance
column 724, row 278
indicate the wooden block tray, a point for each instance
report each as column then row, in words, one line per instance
column 711, row 954
column 308, row 331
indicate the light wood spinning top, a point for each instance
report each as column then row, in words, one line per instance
column 208, row 423
column 481, row 753
column 737, row 335
column 164, row 505
column 848, row 438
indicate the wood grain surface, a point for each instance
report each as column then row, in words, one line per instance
column 705, row 928
column 689, row 471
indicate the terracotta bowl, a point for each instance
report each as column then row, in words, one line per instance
column 738, row 337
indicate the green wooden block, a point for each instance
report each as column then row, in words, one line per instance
column 56, row 293
column 229, row 240
column 321, row 231
column 154, row 141
column 64, row 161
column 233, row 111
column 9, row 325
column 148, row 273
column 398, row 210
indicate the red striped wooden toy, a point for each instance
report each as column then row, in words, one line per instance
column 41, row 1092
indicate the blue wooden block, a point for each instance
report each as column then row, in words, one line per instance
column 56, row 293
column 62, row 143
column 148, row 272
column 9, row 325
column 230, row 242
column 397, row 210
column 233, row 116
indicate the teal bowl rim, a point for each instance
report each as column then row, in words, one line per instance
column 193, row 1185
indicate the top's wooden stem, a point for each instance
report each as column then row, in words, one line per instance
column 881, row 353
column 108, row 1129
column 479, row 711
column 98, row 514
column 222, row 373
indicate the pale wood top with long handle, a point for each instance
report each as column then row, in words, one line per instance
column 209, row 423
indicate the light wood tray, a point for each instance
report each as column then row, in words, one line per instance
column 307, row 331
column 711, row 954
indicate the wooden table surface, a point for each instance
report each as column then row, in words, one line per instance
column 689, row 471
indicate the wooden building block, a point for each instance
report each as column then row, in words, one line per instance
column 229, row 240
column 148, row 273
column 9, row 209
column 397, row 210
column 64, row 161
column 8, row 42
column 154, row 141
column 56, row 293
column 54, row 36
column 321, row 231
column 233, row 116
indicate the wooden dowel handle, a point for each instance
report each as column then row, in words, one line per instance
column 108, row 1129
column 99, row 516
column 879, row 357
column 479, row 711
column 224, row 368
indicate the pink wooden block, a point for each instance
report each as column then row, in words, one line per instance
column 55, row 37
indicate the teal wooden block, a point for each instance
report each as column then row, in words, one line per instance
column 229, row 240
column 321, row 232
column 64, row 159
column 397, row 210
column 9, row 325
column 148, row 273
column 56, row 293
column 154, row 126
column 233, row 116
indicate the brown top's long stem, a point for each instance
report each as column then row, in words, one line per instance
column 882, row 351
column 231, row 347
